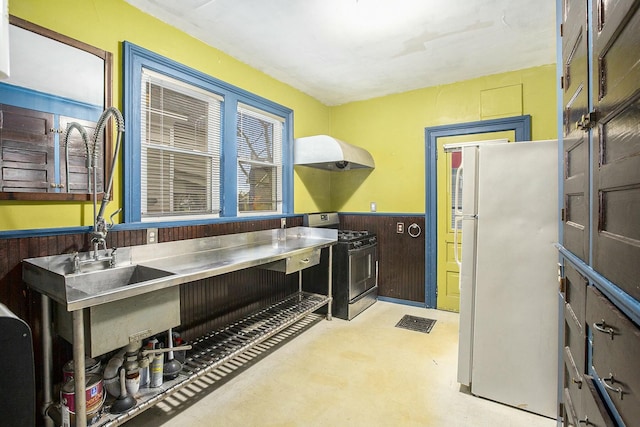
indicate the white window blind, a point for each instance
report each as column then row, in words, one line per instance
column 180, row 148
column 259, row 141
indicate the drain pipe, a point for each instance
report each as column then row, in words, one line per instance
column 47, row 360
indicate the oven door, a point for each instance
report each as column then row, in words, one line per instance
column 362, row 270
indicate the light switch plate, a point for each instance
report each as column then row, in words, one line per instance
column 373, row 206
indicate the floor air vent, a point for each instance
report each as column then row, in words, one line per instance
column 415, row 323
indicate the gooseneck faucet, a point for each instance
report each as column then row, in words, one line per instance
column 100, row 227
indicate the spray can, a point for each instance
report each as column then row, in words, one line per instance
column 145, row 375
column 156, row 370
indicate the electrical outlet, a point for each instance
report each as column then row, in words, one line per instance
column 400, row 227
column 373, row 206
column 283, row 222
column 152, row 235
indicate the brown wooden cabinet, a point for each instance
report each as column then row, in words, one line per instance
column 575, row 141
column 601, row 231
column 616, row 140
column 615, row 350
column 33, row 161
column 27, row 152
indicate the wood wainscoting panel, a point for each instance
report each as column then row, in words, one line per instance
column 401, row 258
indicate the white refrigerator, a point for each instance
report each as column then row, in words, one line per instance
column 508, row 274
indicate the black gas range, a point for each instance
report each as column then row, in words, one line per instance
column 356, row 239
column 354, row 266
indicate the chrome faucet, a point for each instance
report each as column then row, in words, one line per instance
column 100, row 224
column 78, row 263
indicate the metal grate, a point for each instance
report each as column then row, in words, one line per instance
column 415, row 323
column 222, row 350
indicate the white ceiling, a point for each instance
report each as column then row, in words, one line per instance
column 340, row 51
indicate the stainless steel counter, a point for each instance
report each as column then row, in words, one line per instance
column 148, row 268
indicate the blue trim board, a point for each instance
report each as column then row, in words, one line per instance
column 229, row 173
column 43, row 232
column 39, row 101
column 401, row 301
column 628, row 305
column 135, row 58
column 560, row 133
column 521, row 125
column 401, row 214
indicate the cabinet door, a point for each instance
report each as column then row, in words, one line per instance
column 595, row 412
column 616, row 346
column 573, row 384
column 575, row 293
column 616, row 65
column 27, row 158
column 575, row 141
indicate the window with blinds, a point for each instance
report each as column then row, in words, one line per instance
column 259, row 143
column 180, row 148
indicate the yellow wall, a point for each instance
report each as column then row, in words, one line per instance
column 106, row 24
column 392, row 129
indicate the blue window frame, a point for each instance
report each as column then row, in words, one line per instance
column 135, row 60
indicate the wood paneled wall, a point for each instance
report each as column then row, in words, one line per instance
column 401, row 257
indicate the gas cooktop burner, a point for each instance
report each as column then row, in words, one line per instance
column 356, row 239
column 347, row 235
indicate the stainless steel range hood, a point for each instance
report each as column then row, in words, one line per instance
column 326, row 152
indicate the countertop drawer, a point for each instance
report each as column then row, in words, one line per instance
column 616, row 345
column 295, row 262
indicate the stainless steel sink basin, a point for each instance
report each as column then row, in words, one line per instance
column 96, row 282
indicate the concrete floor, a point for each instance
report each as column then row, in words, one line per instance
column 365, row 372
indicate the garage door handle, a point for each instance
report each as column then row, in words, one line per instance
column 602, row 327
column 610, row 387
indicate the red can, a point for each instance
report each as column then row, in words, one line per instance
column 94, row 394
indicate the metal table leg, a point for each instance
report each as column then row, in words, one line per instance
column 47, row 359
column 329, row 284
column 78, row 369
